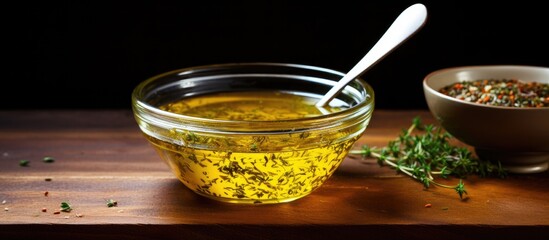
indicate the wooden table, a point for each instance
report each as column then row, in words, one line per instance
column 101, row 155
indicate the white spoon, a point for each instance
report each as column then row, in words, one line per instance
column 406, row 24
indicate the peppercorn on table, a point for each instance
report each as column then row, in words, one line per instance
column 90, row 174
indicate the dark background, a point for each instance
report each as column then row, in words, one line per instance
column 91, row 54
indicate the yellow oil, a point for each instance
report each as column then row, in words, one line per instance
column 250, row 106
column 255, row 168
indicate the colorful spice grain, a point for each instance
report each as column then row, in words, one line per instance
column 500, row 92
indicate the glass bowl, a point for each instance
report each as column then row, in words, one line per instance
column 261, row 152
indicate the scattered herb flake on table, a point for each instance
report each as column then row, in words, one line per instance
column 112, row 203
column 65, row 207
column 24, row 163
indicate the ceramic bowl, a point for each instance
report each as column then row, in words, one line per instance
column 517, row 137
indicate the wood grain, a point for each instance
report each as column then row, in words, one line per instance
column 102, row 155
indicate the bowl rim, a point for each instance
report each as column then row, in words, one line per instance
column 139, row 106
column 433, row 91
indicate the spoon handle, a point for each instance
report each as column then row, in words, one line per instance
column 406, row 24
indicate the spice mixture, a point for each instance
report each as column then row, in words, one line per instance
column 500, row 92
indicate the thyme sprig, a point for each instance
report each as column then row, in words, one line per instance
column 424, row 156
